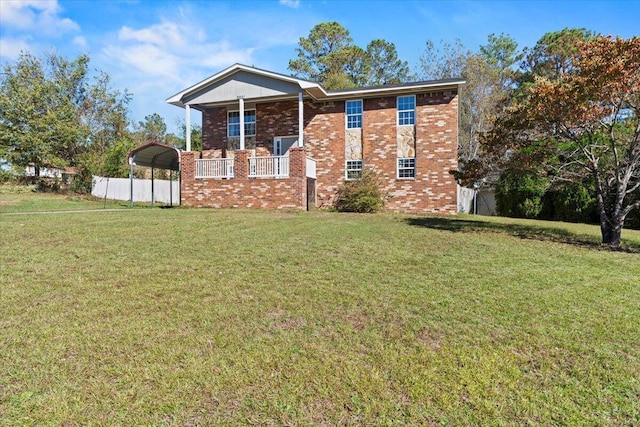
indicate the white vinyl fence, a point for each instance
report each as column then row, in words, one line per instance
column 120, row 189
column 482, row 203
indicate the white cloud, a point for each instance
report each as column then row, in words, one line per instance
column 11, row 48
column 167, row 34
column 80, row 42
column 144, row 58
column 40, row 15
column 186, row 45
column 221, row 55
column 168, row 49
column 294, row 4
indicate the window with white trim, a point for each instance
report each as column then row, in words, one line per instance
column 353, row 109
column 233, row 123
column 406, row 110
column 407, row 167
column 353, row 169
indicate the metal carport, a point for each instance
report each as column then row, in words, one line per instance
column 155, row 155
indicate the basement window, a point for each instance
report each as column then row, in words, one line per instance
column 353, row 169
column 406, row 168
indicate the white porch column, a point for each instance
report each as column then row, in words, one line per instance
column 241, row 101
column 300, row 120
column 187, row 125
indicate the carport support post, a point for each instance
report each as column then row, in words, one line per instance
column 131, row 182
column 152, row 194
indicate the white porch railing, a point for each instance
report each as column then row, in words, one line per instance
column 269, row 167
column 311, row 168
column 214, row 168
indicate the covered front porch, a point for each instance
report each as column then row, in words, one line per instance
column 270, row 182
column 253, row 140
column 259, row 167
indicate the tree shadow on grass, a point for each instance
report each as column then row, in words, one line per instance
column 522, row 231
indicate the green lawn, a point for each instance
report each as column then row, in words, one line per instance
column 184, row 317
column 13, row 200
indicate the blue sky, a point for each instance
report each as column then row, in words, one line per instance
column 157, row 48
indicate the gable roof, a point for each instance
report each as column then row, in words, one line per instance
column 156, row 155
column 267, row 79
column 250, row 83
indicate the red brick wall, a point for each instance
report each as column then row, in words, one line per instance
column 214, row 129
column 324, row 140
column 437, row 151
column 432, row 191
column 242, row 191
column 274, row 119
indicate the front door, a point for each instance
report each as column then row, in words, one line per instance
column 281, row 144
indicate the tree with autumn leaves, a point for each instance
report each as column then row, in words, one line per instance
column 582, row 125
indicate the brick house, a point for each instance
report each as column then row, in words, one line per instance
column 273, row 141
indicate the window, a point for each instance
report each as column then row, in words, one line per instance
column 407, row 167
column 354, row 114
column 354, row 169
column 233, row 123
column 406, row 110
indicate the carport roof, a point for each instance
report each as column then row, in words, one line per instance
column 156, row 155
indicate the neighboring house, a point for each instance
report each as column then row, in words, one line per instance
column 274, row 141
column 64, row 175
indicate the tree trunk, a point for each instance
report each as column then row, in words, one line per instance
column 611, row 229
column 611, row 219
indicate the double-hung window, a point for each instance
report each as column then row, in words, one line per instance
column 354, row 114
column 406, row 110
column 407, row 167
column 406, row 107
column 354, row 169
column 353, row 111
column 233, row 123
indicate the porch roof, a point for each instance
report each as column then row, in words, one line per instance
column 156, row 155
column 255, row 84
column 242, row 81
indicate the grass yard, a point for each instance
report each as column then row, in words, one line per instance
column 184, row 317
column 26, row 201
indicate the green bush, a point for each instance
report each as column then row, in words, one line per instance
column 5, row 176
column 48, row 185
column 363, row 195
column 525, row 194
column 571, row 202
column 16, row 188
column 633, row 219
column 520, row 194
column 82, row 181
